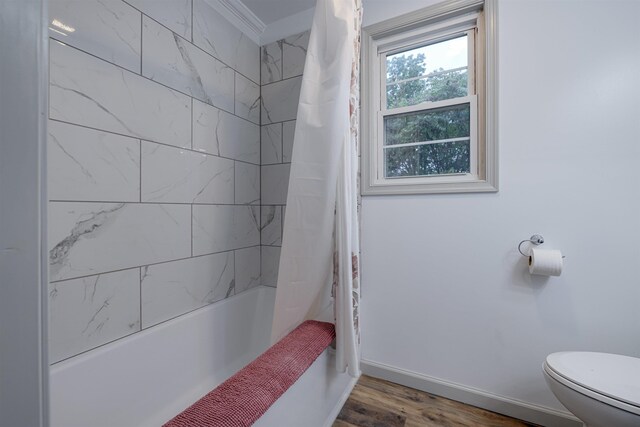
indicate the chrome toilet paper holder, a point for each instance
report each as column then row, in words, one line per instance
column 536, row 239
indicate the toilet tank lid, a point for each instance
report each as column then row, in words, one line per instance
column 612, row 375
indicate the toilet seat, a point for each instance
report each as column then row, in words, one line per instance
column 610, row 378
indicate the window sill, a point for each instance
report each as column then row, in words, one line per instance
column 479, row 186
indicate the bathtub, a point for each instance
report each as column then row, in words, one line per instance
column 148, row 378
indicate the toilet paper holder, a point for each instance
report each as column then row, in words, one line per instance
column 536, row 239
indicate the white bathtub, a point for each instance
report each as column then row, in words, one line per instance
column 148, row 378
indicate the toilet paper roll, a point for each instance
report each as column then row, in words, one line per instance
column 545, row 262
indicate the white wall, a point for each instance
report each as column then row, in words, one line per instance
column 445, row 292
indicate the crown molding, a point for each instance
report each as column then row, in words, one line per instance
column 241, row 17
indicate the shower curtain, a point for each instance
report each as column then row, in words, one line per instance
column 319, row 261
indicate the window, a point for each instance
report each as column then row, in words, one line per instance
column 429, row 101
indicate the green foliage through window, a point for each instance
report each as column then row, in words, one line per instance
column 436, row 86
column 429, row 159
column 406, row 87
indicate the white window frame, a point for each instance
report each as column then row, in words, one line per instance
column 430, row 25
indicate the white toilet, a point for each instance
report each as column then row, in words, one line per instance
column 602, row 390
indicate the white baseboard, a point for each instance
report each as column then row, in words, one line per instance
column 511, row 407
column 336, row 409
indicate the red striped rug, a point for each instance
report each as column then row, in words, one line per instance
column 243, row 398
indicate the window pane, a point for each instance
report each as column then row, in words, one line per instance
column 437, row 87
column 429, row 73
column 429, row 125
column 428, row 159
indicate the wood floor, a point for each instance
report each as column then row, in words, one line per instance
column 379, row 403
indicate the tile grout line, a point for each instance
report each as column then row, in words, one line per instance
column 93, row 348
column 143, row 329
column 140, row 183
column 185, row 39
column 135, row 202
column 60, row 281
column 281, row 142
column 154, row 142
column 141, row 36
column 261, row 50
column 281, row 45
column 191, row 311
column 191, row 237
column 154, row 81
column 192, row 118
column 191, row 136
column 140, row 282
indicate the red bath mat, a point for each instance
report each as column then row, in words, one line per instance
column 243, row 398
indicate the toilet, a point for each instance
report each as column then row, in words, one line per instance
column 601, row 389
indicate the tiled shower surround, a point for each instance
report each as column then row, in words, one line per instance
column 154, row 166
column 281, row 76
column 155, row 158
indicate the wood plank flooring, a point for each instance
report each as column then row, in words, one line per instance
column 378, row 403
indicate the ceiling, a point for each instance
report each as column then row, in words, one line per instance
column 272, row 10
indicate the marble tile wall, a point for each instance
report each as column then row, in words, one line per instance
column 154, row 166
column 282, row 65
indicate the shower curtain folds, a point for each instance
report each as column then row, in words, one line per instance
column 319, row 262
